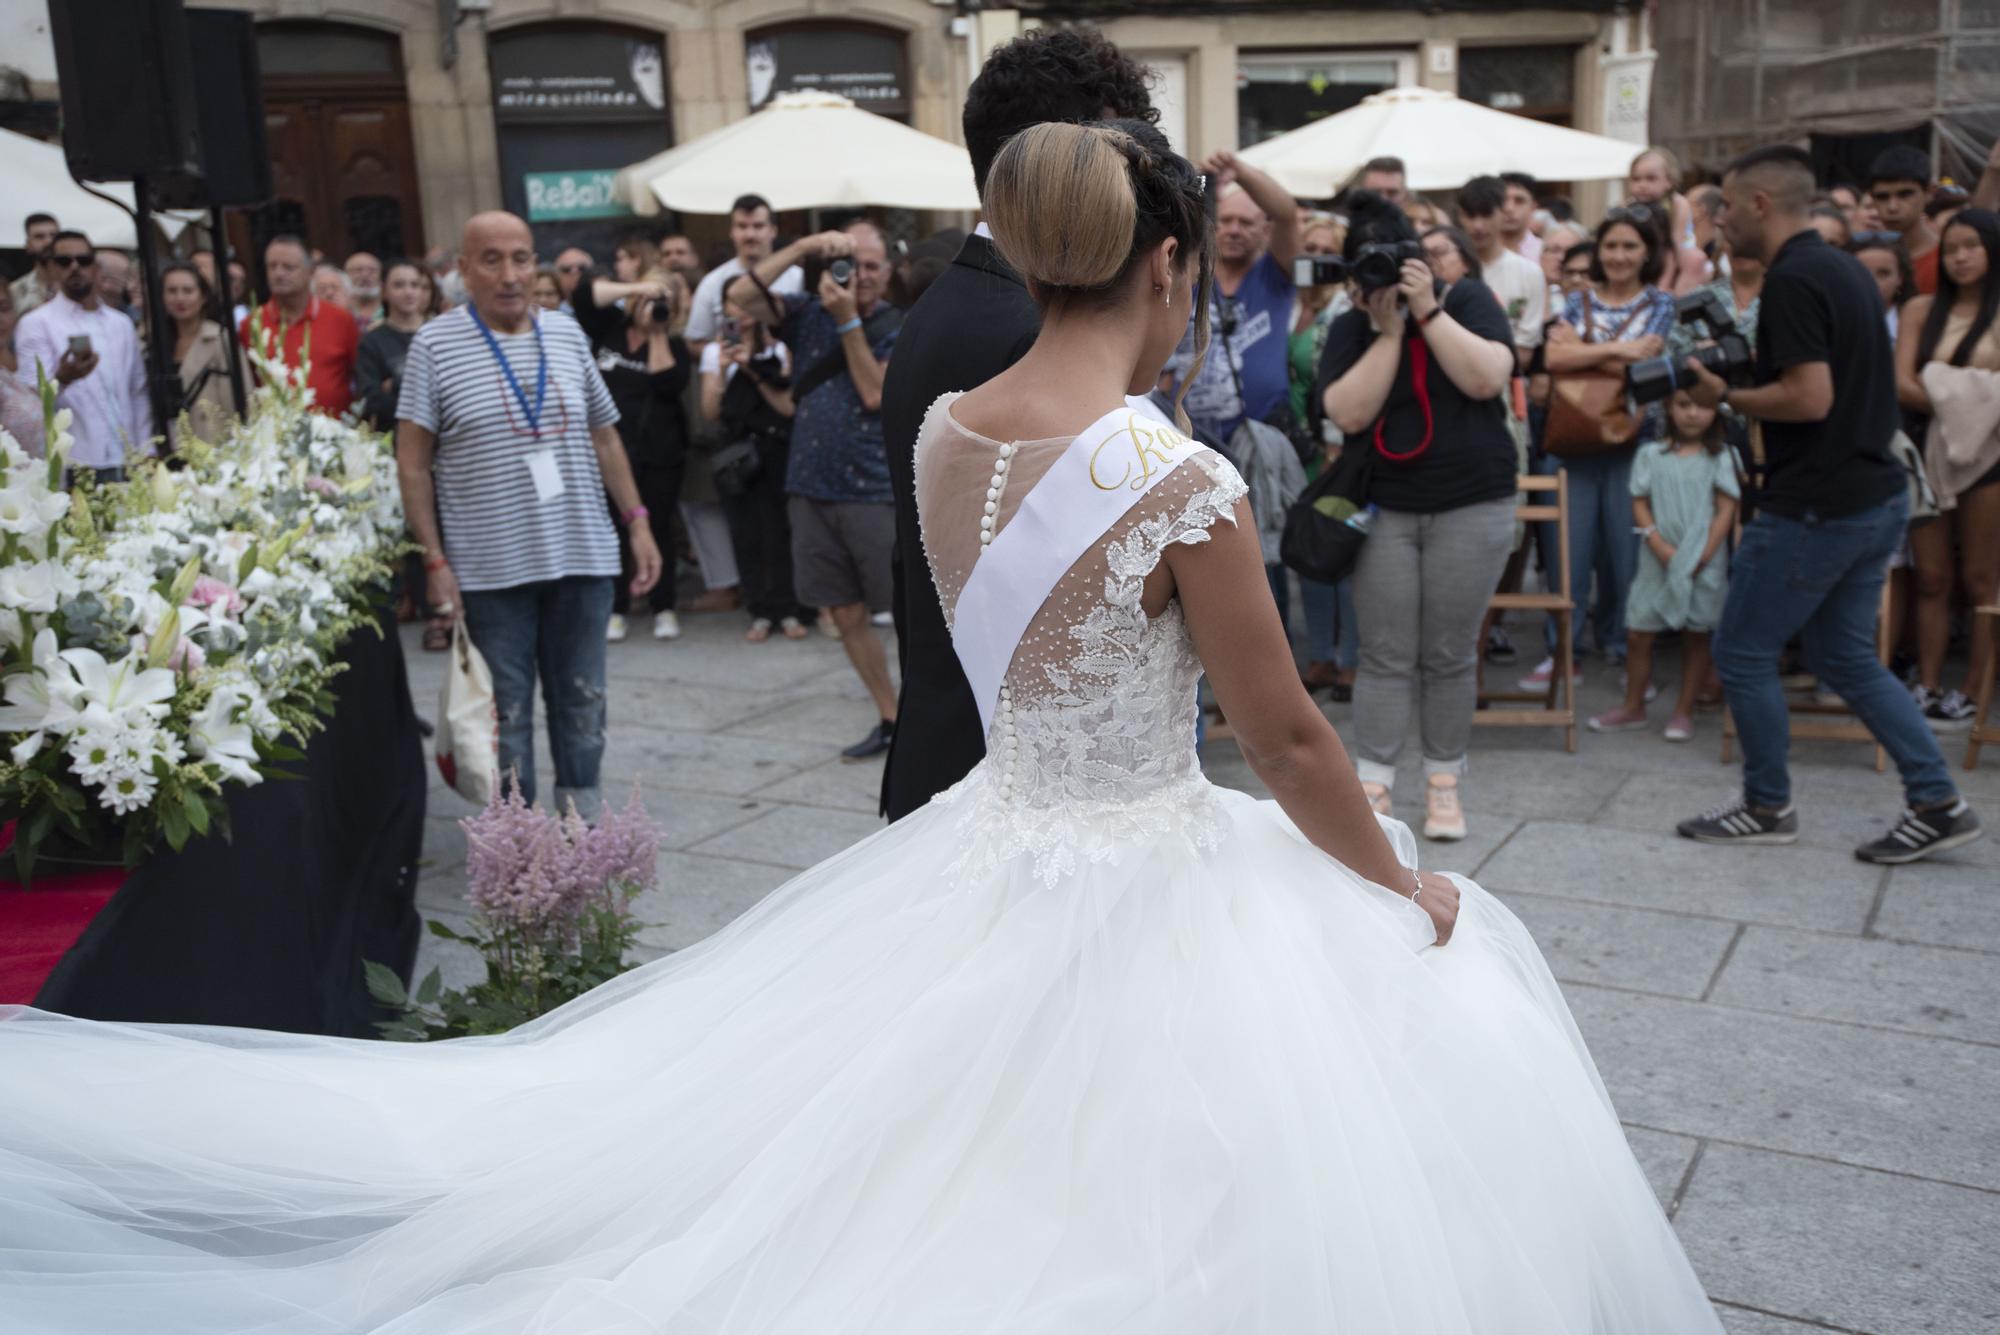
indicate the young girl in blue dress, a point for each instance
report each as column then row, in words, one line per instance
column 1684, row 495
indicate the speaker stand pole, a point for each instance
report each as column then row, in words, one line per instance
column 164, row 392
column 226, row 308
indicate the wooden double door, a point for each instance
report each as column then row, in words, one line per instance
column 343, row 171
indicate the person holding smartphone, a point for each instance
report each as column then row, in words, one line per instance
column 92, row 355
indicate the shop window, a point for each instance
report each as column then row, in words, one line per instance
column 867, row 65
column 1535, row 81
column 1278, row 91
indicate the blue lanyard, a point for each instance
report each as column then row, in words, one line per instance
column 533, row 414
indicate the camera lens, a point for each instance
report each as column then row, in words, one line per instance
column 842, row 271
column 663, row 310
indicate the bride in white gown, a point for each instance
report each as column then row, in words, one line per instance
column 1084, row 1046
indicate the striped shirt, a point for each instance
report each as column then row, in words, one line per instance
column 498, row 532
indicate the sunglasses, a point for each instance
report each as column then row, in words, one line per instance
column 1633, row 213
column 72, row 261
column 1861, row 239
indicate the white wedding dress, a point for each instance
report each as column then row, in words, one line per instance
column 1086, row 1046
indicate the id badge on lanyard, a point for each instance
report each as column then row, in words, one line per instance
column 541, row 459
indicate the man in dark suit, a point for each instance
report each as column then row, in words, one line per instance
column 974, row 322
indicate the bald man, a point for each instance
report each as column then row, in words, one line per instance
column 506, row 443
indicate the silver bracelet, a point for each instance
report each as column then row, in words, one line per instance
column 1420, row 887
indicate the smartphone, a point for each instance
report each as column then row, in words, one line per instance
column 732, row 329
column 79, row 346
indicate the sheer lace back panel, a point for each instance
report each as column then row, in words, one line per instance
column 1099, row 702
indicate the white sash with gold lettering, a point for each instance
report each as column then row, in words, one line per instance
column 1103, row 473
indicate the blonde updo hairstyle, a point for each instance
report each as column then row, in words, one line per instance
column 1074, row 208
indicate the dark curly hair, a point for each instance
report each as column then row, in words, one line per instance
column 1051, row 74
column 1372, row 219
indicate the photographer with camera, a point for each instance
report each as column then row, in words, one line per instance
column 1831, row 512
column 646, row 367
column 746, row 385
column 1620, row 319
column 842, row 510
column 1422, row 383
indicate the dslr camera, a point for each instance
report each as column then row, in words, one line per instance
column 1377, row 265
column 1728, row 354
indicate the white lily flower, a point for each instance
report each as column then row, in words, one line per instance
column 120, row 687
column 29, row 510
column 219, row 737
column 28, row 587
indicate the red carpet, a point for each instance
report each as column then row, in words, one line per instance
column 38, row 924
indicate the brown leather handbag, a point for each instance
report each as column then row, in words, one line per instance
column 1589, row 411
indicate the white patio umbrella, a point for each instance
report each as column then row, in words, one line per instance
column 804, row 151
column 38, row 181
column 1444, row 140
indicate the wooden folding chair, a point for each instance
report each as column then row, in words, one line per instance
column 1559, row 603
column 1983, row 732
column 1832, row 723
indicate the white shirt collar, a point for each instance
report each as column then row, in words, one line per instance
column 983, row 230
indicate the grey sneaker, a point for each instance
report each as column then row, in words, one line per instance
column 1921, row 833
column 1738, row 822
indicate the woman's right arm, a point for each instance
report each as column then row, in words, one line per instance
column 1910, row 391
column 1225, row 597
column 711, row 393
column 1573, row 354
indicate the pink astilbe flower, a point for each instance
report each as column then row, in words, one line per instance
column 623, row 851
column 539, row 873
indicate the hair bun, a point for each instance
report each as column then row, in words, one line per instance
column 1061, row 204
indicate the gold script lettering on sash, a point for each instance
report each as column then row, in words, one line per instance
column 1152, row 447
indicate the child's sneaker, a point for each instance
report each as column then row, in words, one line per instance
column 1620, row 719
column 1444, row 818
column 1538, row 680
column 1680, row 728
column 1921, row 833
column 1378, row 799
column 1737, row 822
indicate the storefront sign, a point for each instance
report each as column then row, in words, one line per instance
column 865, row 65
column 571, row 75
column 563, row 196
column 1628, row 96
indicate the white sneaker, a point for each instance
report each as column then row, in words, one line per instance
column 1444, row 818
column 614, row 630
column 666, row 625
column 883, row 619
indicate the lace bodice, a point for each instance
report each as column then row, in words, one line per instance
column 1097, row 710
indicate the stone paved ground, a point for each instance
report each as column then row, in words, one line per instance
column 1805, row 1049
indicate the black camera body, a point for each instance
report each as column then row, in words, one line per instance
column 1377, row 265
column 662, row 310
column 1728, row 356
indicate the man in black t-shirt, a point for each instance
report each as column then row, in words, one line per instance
column 1832, row 510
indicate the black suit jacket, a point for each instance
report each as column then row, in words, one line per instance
column 975, row 321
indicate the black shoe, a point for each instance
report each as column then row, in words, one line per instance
column 1947, row 713
column 1499, row 648
column 874, row 744
column 1921, row 833
column 1738, row 822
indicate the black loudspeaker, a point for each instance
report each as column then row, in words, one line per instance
column 229, row 116
column 127, row 89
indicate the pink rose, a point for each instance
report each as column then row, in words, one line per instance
column 215, row 595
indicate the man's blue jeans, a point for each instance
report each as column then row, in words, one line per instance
column 554, row 628
column 1819, row 579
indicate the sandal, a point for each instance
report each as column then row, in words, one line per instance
column 793, row 628
column 760, row 630
column 437, row 635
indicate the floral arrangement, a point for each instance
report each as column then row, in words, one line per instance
column 168, row 635
column 553, row 895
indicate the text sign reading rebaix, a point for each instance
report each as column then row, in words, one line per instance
column 562, row 196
